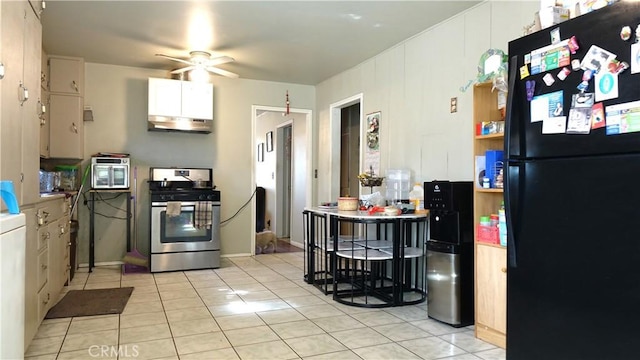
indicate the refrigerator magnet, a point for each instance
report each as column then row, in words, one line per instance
column 625, row 33
column 573, row 44
column 555, row 35
column 606, row 86
column 531, row 88
column 548, row 79
column 582, row 100
column 597, row 116
column 616, row 66
column 583, row 86
column 575, row 64
column 524, row 71
column 563, row 73
column 579, row 121
column 635, row 58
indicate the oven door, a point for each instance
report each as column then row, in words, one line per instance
column 178, row 233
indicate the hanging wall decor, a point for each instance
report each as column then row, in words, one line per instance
column 261, row 152
column 270, row 141
column 372, row 140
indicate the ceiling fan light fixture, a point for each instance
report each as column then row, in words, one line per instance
column 199, row 74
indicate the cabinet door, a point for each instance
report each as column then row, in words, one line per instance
column 164, row 97
column 491, row 287
column 31, row 109
column 65, row 127
column 44, row 125
column 11, row 43
column 197, row 100
column 31, row 321
column 66, row 75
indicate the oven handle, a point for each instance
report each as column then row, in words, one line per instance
column 182, row 203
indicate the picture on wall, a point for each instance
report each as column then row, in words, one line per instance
column 270, row 141
column 261, row 152
column 372, row 141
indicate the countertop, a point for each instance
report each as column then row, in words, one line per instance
column 357, row 214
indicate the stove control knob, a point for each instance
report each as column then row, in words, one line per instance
column 202, row 197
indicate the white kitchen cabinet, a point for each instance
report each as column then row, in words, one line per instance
column 47, row 259
column 20, row 41
column 164, row 97
column 66, row 75
column 176, row 98
column 66, row 128
column 44, row 113
column 197, row 100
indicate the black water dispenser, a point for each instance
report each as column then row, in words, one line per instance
column 450, row 251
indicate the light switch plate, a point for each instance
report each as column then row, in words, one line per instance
column 454, row 104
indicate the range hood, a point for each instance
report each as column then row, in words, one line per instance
column 167, row 123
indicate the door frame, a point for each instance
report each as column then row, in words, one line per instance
column 309, row 161
column 335, row 119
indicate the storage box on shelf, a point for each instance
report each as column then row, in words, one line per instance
column 490, row 257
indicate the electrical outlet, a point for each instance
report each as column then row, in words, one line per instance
column 454, row 105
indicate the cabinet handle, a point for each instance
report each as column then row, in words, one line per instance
column 47, row 300
column 44, row 267
column 75, row 128
column 75, row 86
column 46, row 235
column 1, row 71
column 504, row 270
column 24, row 94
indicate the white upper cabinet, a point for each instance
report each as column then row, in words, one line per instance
column 164, row 97
column 66, row 75
column 176, row 98
column 197, row 100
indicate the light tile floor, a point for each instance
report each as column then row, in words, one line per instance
column 250, row 308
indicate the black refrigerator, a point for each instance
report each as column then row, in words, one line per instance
column 572, row 190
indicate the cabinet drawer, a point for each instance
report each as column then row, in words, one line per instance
column 43, row 237
column 44, row 303
column 50, row 211
column 43, row 268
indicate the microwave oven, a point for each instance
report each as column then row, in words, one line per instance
column 109, row 173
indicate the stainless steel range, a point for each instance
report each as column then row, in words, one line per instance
column 185, row 219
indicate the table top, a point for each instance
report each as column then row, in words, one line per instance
column 357, row 214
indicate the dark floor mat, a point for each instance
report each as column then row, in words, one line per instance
column 91, row 302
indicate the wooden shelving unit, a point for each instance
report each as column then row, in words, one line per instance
column 490, row 259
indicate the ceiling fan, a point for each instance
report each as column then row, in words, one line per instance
column 202, row 60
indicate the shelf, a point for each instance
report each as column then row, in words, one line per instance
column 491, row 245
column 490, row 136
column 483, row 190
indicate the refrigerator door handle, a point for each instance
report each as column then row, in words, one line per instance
column 512, row 190
column 511, row 141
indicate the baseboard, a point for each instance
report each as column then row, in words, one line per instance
column 104, row 263
column 296, row 244
column 236, row 255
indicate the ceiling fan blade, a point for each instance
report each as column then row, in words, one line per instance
column 223, row 72
column 175, row 59
column 219, row 60
column 184, row 69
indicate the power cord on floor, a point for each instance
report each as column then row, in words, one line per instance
column 242, row 207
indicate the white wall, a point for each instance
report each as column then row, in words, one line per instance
column 118, row 96
column 412, row 83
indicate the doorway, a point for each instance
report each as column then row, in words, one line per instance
column 285, row 171
column 350, row 150
column 346, row 149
